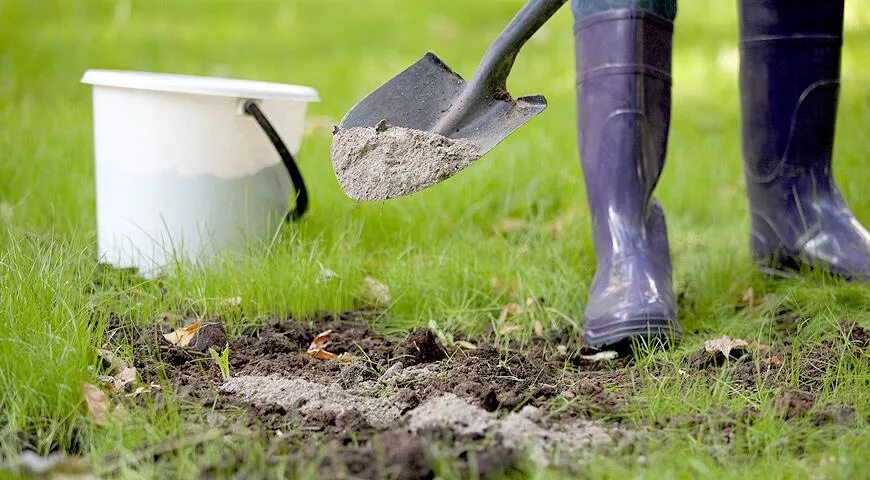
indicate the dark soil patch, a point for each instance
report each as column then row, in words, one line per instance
column 386, row 404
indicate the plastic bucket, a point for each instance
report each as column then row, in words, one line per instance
column 187, row 167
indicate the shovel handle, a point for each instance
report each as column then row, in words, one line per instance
column 490, row 78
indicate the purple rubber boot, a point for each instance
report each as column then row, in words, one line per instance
column 789, row 84
column 624, row 103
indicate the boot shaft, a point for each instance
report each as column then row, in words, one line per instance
column 624, row 100
column 789, row 82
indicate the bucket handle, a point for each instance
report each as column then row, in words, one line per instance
column 251, row 108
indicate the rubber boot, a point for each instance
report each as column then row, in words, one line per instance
column 789, row 85
column 624, row 102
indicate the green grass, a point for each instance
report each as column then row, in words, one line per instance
column 438, row 251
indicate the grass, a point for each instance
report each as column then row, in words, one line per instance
column 439, row 251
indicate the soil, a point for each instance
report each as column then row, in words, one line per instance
column 387, row 161
column 385, row 404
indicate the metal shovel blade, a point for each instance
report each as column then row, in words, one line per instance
column 419, row 96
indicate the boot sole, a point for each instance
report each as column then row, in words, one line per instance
column 649, row 332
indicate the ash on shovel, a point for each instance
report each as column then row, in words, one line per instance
column 388, row 161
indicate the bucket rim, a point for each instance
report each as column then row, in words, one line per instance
column 200, row 85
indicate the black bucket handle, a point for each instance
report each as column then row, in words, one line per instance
column 251, row 108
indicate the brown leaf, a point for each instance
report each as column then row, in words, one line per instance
column 378, row 291
column 96, row 403
column 465, row 345
column 143, row 389
column 321, row 340
column 183, row 336
column 317, row 349
column 509, row 310
column 322, row 354
column 539, row 329
column 725, row 345
column 122, row 376
column 124, row 379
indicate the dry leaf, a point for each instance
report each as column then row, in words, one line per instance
column 509, row 310
column 725, row 345
column 183, row 336
column 143, row 389
column 317, row 349
column 465, row 345
column 379, row 292
column 539, row 329
column 322, row 354
column 96, row 402
column 600, row 356
column 775, row 361
column 508, row 328
column 122, row 377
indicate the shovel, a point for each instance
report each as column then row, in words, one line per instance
column 430, row 97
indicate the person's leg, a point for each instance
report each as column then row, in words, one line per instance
column 789, row 85
column 624, row 100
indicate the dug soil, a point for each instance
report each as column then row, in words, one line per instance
column 370, row 406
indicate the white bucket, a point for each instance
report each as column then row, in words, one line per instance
column 182, row 171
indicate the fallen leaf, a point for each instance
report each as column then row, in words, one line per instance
column 322, row 354
column 600, row 356
column 143, row 389
column 725, row 345
column 379, row 292
column 96, row 402
column 509, row 310
column 317, row 349
column 508, row 328
column 183, row 336
column 775, row 361
column 539, row 329
column 465, row 345
column 124, row 379
column 123, row 376
column 321, row 340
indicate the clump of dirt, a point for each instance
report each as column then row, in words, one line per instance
column 795, row 403
column 388, row 161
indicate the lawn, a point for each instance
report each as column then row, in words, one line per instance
column 513, row 226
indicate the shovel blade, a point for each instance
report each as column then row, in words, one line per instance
column 420, row 95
